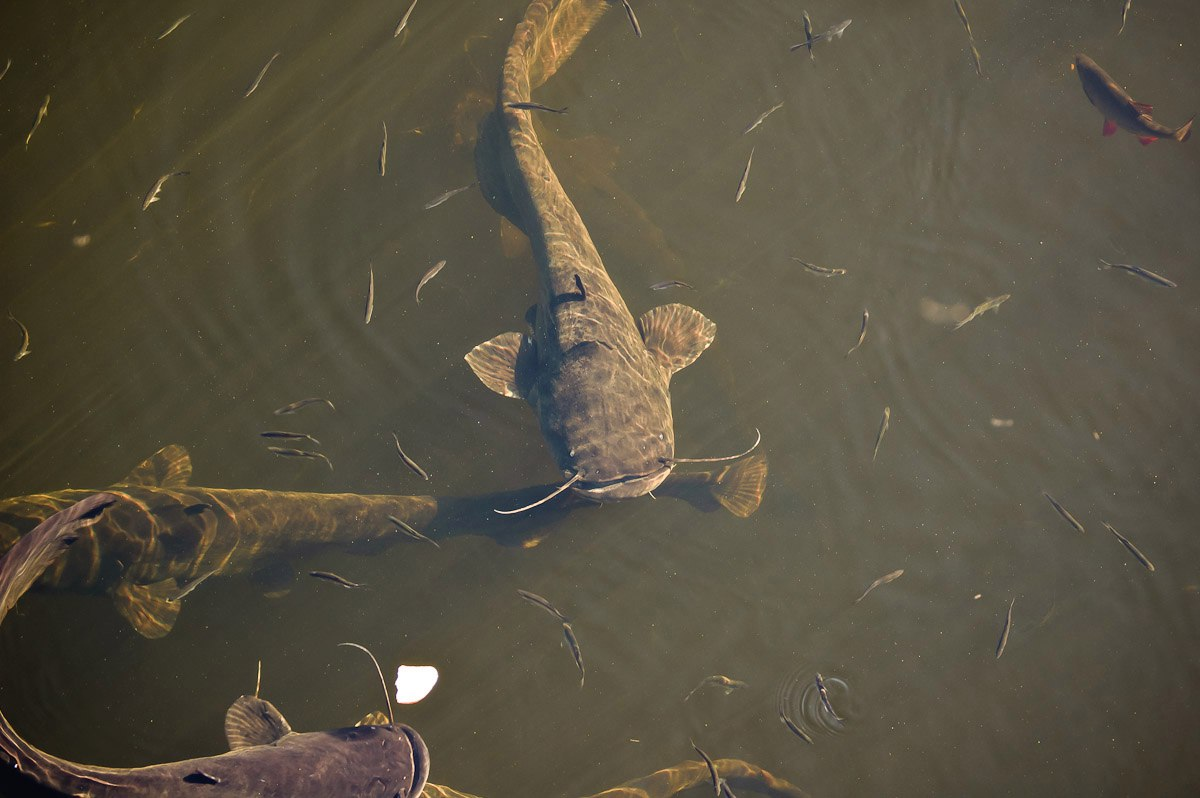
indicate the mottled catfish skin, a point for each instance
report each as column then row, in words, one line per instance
column 268, row 761
column 1120, row 110
column 598, row 380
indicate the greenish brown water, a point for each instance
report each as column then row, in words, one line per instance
column 242, row 288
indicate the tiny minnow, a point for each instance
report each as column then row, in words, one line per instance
column 294, row 406
column 429, row 275
column 24, row 350
column 833, row 33
column 796, row 730
column 978, row 62
column 1132, row 548
column 369, row 310
column 883, row 427
column 762, row 118
column 637, row 29
column 337, row 580
column 862, row 333
column 724, row 681
column 1004, row 631
column 174, row 25
column 1140, row 272
column 671, row 284
column 1063, row 512
column 1002, row 423
column 808, row 37
column 284, row 452
column 5, row 70
column 438, row 200
column 821, row 270
column 741, row 189
column 41, row 114
column 408, row 461
column 1124, row 16
column 534, row 598
column 152, row 196
column 186, row 590
column 261, row 74
column 569, row 634
column 404, row 19
column 883, row 580
column 536, row 107
column 411, row 532
column 712, row 768
column 293, row 436
column 984, row 307
column 962, row 14
column 1122, row 111
column 383, row 153
column 825, row 698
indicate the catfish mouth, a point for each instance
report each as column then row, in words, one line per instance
column 629, row 487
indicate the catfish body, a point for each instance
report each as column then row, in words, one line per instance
column 1120, row 110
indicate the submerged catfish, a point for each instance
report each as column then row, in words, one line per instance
column 598, row 380
column 164, row 536
column 1122, row 111
column 267, row 757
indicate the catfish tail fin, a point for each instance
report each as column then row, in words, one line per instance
column 549, row 34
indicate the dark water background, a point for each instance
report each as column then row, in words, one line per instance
column 242, row 289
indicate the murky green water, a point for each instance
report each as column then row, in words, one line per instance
column 241, row 289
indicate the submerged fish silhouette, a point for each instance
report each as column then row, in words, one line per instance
column 267, row 757
column 1122, row 111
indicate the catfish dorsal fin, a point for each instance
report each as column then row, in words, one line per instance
column 502, row 363
column 254, row 721
column 374, row 719
column 676, row 334
column 169, row 467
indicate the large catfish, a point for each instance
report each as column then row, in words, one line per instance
column 267, row 759
column 598, row 380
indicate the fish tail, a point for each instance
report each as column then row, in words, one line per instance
column 1185, row 131
column 552, row 31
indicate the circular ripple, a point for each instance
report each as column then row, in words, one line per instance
column 800, row 699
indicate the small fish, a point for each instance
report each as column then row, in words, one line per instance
column 261, row 75
column 24, row 350
column 41, row 114
column 535, row 599
column 569, row 635
column 6, row 68
column 637, row 29
column 1124, row 16
column 671, row 284
column 438, row 200
column 1002, row 423
column 1132, row 548
column 883, row 428
column 190, row 586
column 883, row 580
column 1063, row 512
column 796, row 730
column 383, row 153
column 833, row 33
column 174, row 25
column 741, row 189
column 821, row 270
column 429, row 275
column 152, row 196
column 978, row 62
column 984, row 307
column 808, row 37
column 408, row 461
column 712, row 768
column 724, row 681
column 1004, row 631
column 962, row 14
column 862, row 333
column 535, row 107
column 291, row 436
column 404, row 20
column 369, row 310
column 412, row 533
column 1145, row 274
column 825, row 698
column 1122, row 111
column 284, row 452
column 337, row 580
column 294, row 406
column 762, row 118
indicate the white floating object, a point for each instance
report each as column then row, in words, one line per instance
column 414, row 682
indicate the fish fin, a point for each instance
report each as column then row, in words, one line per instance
column 513, row 243
column 676, row 334
column 531, row 316
column 1142, row 108
column 252, row 721
column 566, row 25
column 1184, row 132
column 275, row 576
column 1110, row 127
column 149, row 608
column 374, row 719
column 489, row 170
column 169, row 467
column 503, row 363
column 740, row 486
column 1147, row 140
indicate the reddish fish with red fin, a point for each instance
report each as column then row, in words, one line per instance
column 1122, row 111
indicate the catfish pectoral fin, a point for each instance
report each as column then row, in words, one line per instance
column 739, row 487
column 149, row 608
column 676, row 334
column 251, row 721
column 502, row 363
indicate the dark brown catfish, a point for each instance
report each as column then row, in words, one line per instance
column 268, row 759
column 1122, row 111
column 598, row 380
